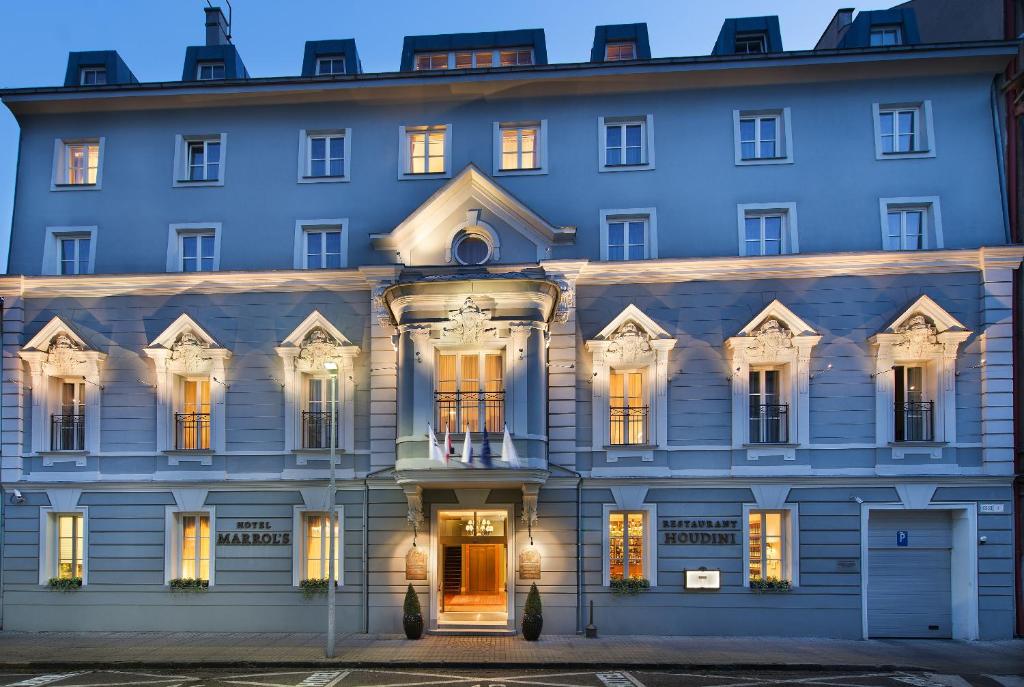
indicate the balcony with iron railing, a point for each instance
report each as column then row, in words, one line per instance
column 628, row 425
column 460, row 411
column 316, row 429
column 914, row 421
column 67, row 432
column 191, row 431
column 769, row 423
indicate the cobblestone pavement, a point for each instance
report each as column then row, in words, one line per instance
column 60, row 651
column 326, row 677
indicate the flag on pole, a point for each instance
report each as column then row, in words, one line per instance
column 485, row 451
column 508, row 450
column 467, row 449
column 435, row 449
column 447, row 444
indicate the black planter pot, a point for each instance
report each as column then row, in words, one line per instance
column 531, row 627
column 413, row 627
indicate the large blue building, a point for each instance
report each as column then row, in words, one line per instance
column 722, row 344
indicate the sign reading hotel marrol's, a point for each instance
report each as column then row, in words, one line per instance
column 258, row 538
column 699, row 532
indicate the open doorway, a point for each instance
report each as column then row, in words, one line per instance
column 472, row 559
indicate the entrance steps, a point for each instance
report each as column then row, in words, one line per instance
column 473, row 630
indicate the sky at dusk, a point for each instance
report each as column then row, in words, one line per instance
column 151, row 36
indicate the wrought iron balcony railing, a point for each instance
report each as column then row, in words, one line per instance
column 191, row 431
column 67, row 432
column 316, row 429
column 628, row 425
column 459, row 411
column 914, row 421
column 769, row 423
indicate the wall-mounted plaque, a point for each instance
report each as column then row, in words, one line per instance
column 529, row 564
column 416, row 564
column 702, row 579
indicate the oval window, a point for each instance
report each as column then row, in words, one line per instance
column 472, row 250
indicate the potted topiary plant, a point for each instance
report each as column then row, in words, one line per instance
column 533, row 618
column 412, row 617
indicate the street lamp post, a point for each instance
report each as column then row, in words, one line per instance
column 332, row 369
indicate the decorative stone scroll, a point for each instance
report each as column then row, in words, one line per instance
column 917, row 337
column 190, row 353
column 469, row 323
column 318, row 347
column 771, row 339
column 65, row 357
column 629, row 345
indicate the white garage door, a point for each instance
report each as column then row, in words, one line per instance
column 909, row 590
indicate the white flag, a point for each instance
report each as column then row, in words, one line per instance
column 467, row 449
column 508, row 450
column 434, row 450
column 447, row 444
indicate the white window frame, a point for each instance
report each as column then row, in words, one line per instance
column 58, row 175
column 614, row 215
column 790, row 228
column 299, row 514
column 647, row 133
column 619, row 44
column 790, row 540
column 179, row 178
column 783, row 133
column 449, row 59
column 932, row 208
column 882, row 30
column 48, row 538
column 404, row 160
column 303, row 226
column 211, row 64
column 305, row 155
column 175, row 233
column 172, row 540
column 51, row 247
column 541, row 147
column 321, row 59
column 749, row 37
column 650, row 539
column 925, row 134
column 82, row 71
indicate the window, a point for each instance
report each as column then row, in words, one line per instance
column 629, row 234
column 203, row 160
column 627, row 543
column 330, row 64
column 767, row 229
column 750, row 43
column 326, row 155
column 882, row 36
column 316, row 418
column 626, row 143
column 615, row 52
column 627, row 405
column 195, row 546
column 67, row 426
column 911, row 223
column 767, row 546
column 77, row 164
column 769, row 416
column 519, row 147
column 192, row 423
column 74, row 255
column 70, row 545
column 472, row 248
column 903, row 130
column 762, row 137
column 914, row 413
column 425, row 151
column 198, row 252
column 69, row 250
column 92, row 76
column 470, row 392
column 209, row 71
column 516, row 57
column 316, row 547
column 200, row 160
column 428, row 61
column 323, row 248
column 474, row 59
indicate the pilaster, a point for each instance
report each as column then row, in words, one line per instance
column 997, row 369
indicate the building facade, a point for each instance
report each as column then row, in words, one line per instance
column 559, row 322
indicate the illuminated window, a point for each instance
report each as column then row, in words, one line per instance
column 317, row 545
column 92, row 76
column 473, row 59
column 766, row 539
column 209, row 71
column 470, row 392
column 330, row 64
column 516, row 57
column 882, row 36
column 750, row 43
column 519, row 147
column 627, row 403
column 70, row 544
column 195, row 546
column 429, row 61
column 614, row 52
column 426, row 150
column 627, row 545
column 74, row 254
column 82, row 161
column 325, row 155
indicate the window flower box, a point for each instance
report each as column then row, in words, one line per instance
column 770, row 585
column 314, row 585
column 65, row 584
column 631, row 586
column 189, row 584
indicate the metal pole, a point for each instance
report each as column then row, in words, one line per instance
column 330, row 513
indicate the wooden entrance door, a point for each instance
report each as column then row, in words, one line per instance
column 482, row 569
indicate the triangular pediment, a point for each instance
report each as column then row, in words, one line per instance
column 313, row 321
column 934, row 313
column 44, row 339
column 470, row 187
column 634, row 315
column 184, row 325
column 779, row 312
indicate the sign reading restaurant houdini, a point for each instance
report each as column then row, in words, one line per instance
column 255, row 532
column 700, row 532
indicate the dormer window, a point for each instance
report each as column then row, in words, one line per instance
column 883, row 36
column 617, row 52
column 474, row 59
column 516, row 57
column 330, row 64
column 751, row 43
column 431, row 60
column 92, row 76
column 210, row 71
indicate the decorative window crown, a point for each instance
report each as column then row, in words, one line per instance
column 64, row 356
column 469, row 323
column 770, row 339
column 317, row 348
column 918, row 336
column 629, row 344
column 191, row 352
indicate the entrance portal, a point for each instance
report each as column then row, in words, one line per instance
column 473, row 562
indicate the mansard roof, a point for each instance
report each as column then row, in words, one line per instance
column 533, row 38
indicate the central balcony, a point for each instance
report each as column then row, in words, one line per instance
column 473, row 411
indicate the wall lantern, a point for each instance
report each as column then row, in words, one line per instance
column 702, row 578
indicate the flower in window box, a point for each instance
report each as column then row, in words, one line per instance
column 630, row 585
column 65, row 584
column 189, row 584
column 314, row 585
column 770, row 584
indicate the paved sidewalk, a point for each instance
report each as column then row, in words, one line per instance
column 179, row 649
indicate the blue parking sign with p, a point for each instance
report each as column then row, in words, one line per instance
column 902, row 538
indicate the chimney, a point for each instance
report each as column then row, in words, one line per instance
column 216, row 27
column 844, row 17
